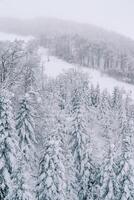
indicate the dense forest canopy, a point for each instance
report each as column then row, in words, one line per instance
column 62, row 138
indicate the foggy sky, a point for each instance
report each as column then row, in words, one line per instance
column 116, row 15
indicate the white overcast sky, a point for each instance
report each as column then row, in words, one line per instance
column 116, row 15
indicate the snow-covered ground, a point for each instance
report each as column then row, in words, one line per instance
column 12, row 37
column 54, row 66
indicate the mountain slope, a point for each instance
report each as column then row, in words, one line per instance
column 78, row 43
column 54, row 66
column 42, row 26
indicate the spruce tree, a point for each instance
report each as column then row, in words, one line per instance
column 95, row 95
column 80, row 142
column 89, row 182
column 108, row 189
column 8, row 146
column 125, row 172
column 108, row 176
column 26, row 133
column 116, row 114
column 22, row 182
column 25, row 128
column 62, row 101
column 51, row 183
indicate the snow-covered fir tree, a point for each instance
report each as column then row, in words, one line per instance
column 79, row 139
column 104, row 116
column 51, row 177
column 95, row 95
column 125, row 172
column 71, row 186
column 108, row 130
column 27, row 142
column 116, row 99
column 22, row 182
column 89, row 183
column 108, row 189
column 25, row 128
column 62, row 97
column 51, row 184
column 8, row 146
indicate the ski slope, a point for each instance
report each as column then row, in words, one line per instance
column 54, row 66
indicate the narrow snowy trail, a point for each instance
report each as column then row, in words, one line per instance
column 54, row 66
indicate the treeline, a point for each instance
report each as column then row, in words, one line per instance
column 105, row 55
column 65, row 139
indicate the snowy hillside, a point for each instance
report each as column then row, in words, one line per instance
column 12, row 37
column 59, row 133
column 54, row 66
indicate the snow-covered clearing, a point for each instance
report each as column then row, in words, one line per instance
column 54, row 66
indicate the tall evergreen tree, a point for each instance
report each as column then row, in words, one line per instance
column 26, row 132
column 108, row 176
column 79, row 142
column 51, row 178
column 108, row 190
column 89, row 183
column 125, row 172
column 61, row 97
column 22, row 182
column 95, row 95
column 25, row 128
column 8, row 146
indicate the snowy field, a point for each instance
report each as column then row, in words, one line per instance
column 55, row 66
